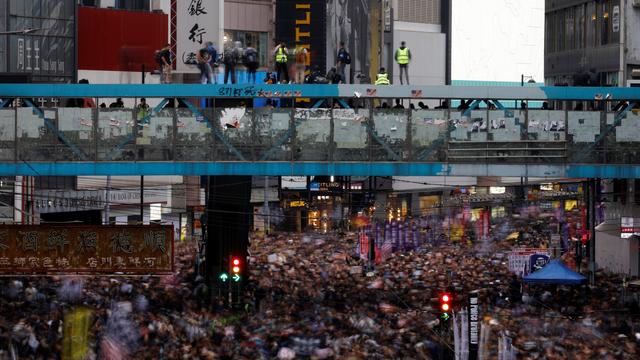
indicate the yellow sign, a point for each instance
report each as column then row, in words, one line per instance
column 75, row 344
column 297, row 203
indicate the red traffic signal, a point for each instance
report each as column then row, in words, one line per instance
column 445, row 302
column 235, row 265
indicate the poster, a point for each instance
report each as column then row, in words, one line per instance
column 519, row 259
column 197, row 21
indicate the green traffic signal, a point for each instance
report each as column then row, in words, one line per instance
column 445, row 316
column 223, row 277
column 236, row 277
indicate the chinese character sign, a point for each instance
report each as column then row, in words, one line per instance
column 197, row 22
column 86, row 249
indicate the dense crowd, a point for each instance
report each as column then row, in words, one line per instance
column 310, row 296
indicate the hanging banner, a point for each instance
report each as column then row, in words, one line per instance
column 474, row 325
column 75, row 343
column 302, row 23
column 197, row 22
column 55, row 249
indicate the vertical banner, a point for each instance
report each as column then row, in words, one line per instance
column 197, row 22
column 474, row 325
column 75, row 345
column 302, row 23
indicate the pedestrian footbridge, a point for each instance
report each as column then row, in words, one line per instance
column 320, row 129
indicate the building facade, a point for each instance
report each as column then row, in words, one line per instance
column 37, row 41
column 589, row 42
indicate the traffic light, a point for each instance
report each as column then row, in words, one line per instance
column 445, row 306
column 236, row 268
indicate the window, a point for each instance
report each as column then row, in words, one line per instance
column 580, row 24
column 257, row 39
column 605, row 24
column 550, row 33
column 56, row 182
column 591, row 20
column 560, row 30
column 419, row 11
column 133, row 5
column 570, row 29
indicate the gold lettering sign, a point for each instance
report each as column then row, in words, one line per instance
column 86, row 249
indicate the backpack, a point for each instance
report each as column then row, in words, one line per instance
column 251, row 57
column 344, row 57
column 158, row 57
column 230, row 57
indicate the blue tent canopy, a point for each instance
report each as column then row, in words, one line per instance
column 555, row 272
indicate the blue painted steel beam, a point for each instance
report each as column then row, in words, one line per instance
column 52, row 127
column 317, row 91
column 5, row 102
column 114, row 152
column 215, row 130
column 315, row 168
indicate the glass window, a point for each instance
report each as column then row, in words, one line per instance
column 570, row 25
column 580, row 24
column 560, row 31
column 257, row 39
column 591, row 24
column 550, row 31
column 605, row 24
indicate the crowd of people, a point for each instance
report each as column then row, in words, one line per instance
column 290, row 65
column 311, row 296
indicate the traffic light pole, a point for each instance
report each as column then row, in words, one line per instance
column 593, row 195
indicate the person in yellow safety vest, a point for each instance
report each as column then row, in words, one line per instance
column 282, row 57
column 403, row 58
column 382, row 78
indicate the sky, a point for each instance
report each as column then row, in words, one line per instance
column 497, row 40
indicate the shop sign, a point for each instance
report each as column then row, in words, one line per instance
column 56, row 249
column 325, row 186
column 615, row 19
column 297, row 203
column 197, row 22
column 629, row 226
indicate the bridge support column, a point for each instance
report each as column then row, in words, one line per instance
column 228, row 220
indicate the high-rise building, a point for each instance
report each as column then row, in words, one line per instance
column 592, row 42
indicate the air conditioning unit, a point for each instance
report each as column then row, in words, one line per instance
column 633, row 83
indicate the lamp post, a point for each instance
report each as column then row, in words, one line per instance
column 522, row 79
column 525, row 180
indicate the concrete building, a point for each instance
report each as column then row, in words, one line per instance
column 589, row 42
column 423, row 25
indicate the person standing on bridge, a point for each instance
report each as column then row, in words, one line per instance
column 344, row 59
column 382, row 78
column 403, row 58
column 282, row 57
column 301, row 56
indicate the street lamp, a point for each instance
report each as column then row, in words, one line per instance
column 522, row 78
column 530, row 78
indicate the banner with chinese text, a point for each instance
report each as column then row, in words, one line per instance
column 86, row 249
